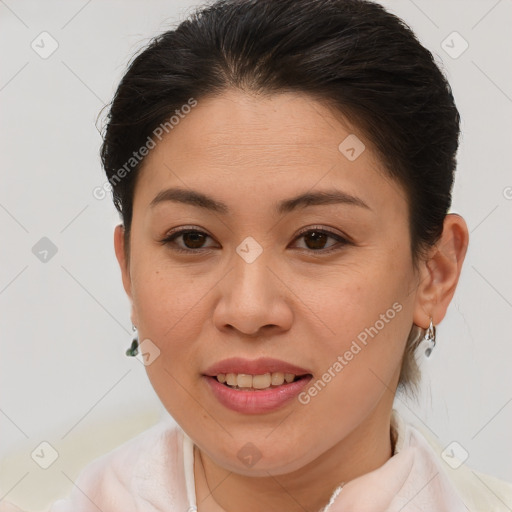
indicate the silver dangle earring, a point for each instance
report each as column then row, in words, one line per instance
column 134, row 349
column 430, row 339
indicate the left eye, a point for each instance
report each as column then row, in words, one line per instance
column 315, row 240
column 193, row 240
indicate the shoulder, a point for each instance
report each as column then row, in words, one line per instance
column 479, row 492
column 116, row 479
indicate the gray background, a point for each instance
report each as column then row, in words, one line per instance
column 65, row 323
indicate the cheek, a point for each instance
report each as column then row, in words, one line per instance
column 358, row 365
column 369, row 314
column 164, row 292
column 171, row 308
column 366, row 299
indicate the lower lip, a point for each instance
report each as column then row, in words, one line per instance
column 259, row 401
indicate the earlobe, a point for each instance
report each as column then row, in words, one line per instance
column 120, row 251
column 441, row 272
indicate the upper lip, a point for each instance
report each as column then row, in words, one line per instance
column 253, row 367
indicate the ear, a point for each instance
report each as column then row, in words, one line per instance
column 440, row 272
column 121, row 255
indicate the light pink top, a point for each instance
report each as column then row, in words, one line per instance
column 154, row 472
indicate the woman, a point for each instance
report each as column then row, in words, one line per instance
column 284, row 172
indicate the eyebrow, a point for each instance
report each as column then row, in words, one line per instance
column 198, row 199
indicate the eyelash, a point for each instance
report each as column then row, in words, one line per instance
column 343, row 241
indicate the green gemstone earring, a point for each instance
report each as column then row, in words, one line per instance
column 134, row 349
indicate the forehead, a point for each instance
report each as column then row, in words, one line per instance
column 283, row 128
column 275, row 144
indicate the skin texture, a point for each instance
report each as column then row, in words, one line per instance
column 292, row 303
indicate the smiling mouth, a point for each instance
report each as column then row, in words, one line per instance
column 247, row 382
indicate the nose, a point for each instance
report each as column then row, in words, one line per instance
column 254, row 299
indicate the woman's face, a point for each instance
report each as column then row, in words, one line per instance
column 270, row 277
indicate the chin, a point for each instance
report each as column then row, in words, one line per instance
column 249, row 461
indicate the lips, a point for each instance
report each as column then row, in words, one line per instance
column 260, row 366
column 252, row 401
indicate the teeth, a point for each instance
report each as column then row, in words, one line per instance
column 243, row 380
